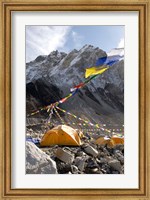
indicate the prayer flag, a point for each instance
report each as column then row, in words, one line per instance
column 94, row 71
column 109, row 60
column 101, row 61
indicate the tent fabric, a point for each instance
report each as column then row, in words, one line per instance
column 111, row 142
column 61, row 135
column 115, row 141
column 102, row 140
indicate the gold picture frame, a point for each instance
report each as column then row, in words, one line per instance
column 7, row 6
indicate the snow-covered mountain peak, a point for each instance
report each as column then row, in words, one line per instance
column 40, row 58
column 86, row 47
column 56, row 54
column 116, row 51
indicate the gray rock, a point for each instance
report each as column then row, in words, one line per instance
column 99, row 161
column 101, row 154
column 38, row 162
column 103, row 160
column 103, row 171
column 80, row 163
column 91, row 151
column 80, row 153
column 109, row 158
column 92, row 170
column 62, row 167
column 121, row 159
column 64, row 155
column 115, row 164
column 91, row 163
column 74, row 169
column 116, row 151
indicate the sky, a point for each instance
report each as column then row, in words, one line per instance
column 41, row 40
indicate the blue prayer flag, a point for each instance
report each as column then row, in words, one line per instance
column 113, row 59
column 101, row 61
column 109, row 61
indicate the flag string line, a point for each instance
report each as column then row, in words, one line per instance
column 73, row 90
column 84, row 122
column 62, row 121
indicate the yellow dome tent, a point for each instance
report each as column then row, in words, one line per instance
column 61, row 135
column 102, row 140
column 115, row 141
column 111, row 142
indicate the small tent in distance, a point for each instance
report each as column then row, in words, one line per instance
column 110, row 142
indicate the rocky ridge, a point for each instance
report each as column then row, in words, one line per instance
column 50, row 78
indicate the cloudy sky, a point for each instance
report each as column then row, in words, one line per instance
column 41, row 40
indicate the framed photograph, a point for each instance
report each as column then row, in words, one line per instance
column 74, row 99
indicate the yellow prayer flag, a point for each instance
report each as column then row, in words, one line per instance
column 94, row 71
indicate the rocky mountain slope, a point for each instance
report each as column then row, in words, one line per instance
column 49, row 78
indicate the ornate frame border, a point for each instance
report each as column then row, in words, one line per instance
column 7, row 6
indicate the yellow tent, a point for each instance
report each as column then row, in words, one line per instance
column 111, row 142
column 61, row 135
column 102, row 140
column 115, row 141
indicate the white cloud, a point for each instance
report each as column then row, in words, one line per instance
column 77, row 39
column 41, row 40
column 121, row 43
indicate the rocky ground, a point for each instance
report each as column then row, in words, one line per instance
column 88, row 158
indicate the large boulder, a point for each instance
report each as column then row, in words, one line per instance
column 38, row 162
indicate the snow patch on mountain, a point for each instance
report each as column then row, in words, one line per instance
column 116, row 51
